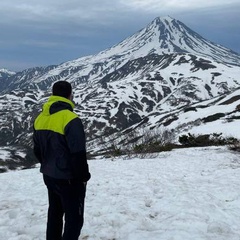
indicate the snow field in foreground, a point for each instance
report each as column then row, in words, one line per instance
column 184, row 194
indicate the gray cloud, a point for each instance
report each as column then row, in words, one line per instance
column 37, row 33
column 175, row 5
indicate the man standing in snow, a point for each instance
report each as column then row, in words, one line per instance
column 59, row 145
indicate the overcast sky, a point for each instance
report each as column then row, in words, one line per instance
column 46, row 32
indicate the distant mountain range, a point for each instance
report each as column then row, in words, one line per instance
column 147, row 80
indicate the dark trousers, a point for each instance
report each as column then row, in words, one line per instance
column 66, row 198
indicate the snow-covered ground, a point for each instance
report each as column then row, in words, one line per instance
column 184, row 194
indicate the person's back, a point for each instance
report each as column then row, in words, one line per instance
column 59, row 145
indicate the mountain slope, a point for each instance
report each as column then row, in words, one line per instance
column 146, row 80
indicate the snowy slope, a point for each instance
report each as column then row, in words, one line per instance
column 159, row 92
column 155, row 93
column 185, row 194
column 192, row 118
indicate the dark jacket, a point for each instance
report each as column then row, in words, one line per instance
column 59, row 141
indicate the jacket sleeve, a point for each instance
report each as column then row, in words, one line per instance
column 75, row 137
column 36, row 148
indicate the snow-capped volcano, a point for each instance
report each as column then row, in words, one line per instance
column 165, row 35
